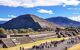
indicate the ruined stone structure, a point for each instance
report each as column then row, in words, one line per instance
column 28, row 21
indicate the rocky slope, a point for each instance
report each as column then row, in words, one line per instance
column 28, row 21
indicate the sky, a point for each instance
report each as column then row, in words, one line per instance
column 43, row 8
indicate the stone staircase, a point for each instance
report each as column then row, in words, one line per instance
column 8, row 43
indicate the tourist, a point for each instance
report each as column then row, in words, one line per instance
column 65, row 48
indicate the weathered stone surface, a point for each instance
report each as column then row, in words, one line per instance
column 28, row 21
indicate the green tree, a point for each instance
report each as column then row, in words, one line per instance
column 57, row 29
column 30, row 30
column 22, row 30
column 15, row 30
column 10, row 31
column 2, row 31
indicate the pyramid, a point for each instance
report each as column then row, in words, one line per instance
column 28, row 21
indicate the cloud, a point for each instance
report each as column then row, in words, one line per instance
column 12, row 16
column 35, row 3
column 5, row 19
column 73, row 8
column 76, row 18
column 45, row 11
column 8, row 18
column 75, row 13
column 71, row 2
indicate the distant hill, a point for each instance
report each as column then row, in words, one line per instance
column 63, row 21
column 28, row 21
column 2, row 22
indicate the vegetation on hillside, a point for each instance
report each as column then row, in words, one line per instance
column 22, row 30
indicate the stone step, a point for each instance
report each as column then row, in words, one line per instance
column 8, row 42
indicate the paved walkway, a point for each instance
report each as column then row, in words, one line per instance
column 61, row 46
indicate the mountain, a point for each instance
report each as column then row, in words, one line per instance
column 1, row 22
column 64, row 21
column 28, row 21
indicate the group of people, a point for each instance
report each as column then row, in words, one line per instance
column 47, row 45
column 22, row 48
column 54, row 44
column 74, row 40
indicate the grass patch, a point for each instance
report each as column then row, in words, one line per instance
column 75, row 47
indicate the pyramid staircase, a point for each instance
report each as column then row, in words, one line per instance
column 8, row 43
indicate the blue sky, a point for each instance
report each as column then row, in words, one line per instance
column 44, row 8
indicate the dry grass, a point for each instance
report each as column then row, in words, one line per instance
column 75, row 47
column 29, row 45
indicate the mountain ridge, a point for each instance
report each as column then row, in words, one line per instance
column 64, row 21
column 1, row 22
column 28, row 21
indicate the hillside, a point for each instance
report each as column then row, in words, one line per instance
column 63, row 21
column 1, row 22
column 28, row 21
